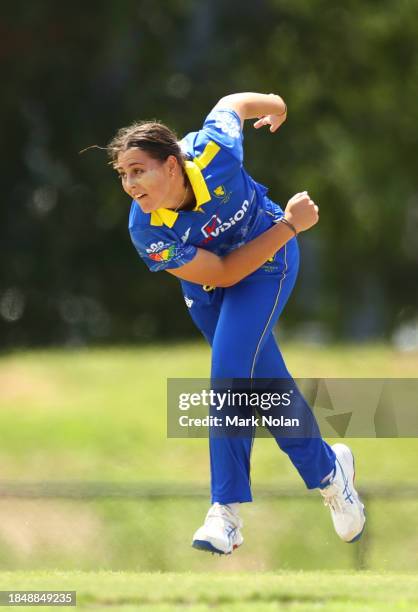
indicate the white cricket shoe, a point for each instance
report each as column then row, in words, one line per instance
column 220, row 532
column 340, row 496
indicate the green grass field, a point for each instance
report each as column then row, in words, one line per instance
column 100, row 415
column 158, row 592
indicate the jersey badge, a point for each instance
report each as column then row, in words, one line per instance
column 221, row 193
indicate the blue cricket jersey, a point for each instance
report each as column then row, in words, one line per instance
column 231, row 208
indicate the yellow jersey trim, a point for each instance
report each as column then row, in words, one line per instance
column 198, row 183
column 164, row 216
column 168, row 217
column 208, row 154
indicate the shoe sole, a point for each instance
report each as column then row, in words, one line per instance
column 208, row 547
column 358, row 536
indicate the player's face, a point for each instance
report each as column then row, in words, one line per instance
column 145, row 179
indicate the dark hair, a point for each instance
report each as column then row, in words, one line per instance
column 158, row 140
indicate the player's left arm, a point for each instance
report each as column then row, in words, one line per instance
column 269, row 109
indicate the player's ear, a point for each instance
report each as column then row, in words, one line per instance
column 171, row 163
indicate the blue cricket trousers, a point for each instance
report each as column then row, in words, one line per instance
column 238, row 323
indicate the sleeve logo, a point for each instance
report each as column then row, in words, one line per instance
column 158, row 251
column 228, row 124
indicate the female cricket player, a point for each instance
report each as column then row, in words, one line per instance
column 197, row 214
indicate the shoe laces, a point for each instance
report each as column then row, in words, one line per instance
column 219, row 511
column 333, row 497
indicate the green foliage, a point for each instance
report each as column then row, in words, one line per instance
column 76, row 73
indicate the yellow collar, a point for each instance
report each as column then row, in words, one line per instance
column 167, row 216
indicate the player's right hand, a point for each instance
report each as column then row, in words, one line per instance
column 301, row 211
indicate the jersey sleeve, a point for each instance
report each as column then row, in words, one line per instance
column 223, row 126
column 160, row 251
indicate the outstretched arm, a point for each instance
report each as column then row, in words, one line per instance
column 269, row 109
column 206, row 268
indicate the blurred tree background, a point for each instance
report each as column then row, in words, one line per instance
column 74, row 73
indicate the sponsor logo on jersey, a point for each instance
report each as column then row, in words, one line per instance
column 189, row 301
column 216, row 226
column 211, row 226
column 158, row 251
column 185, row 236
